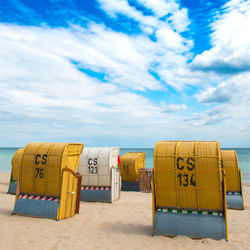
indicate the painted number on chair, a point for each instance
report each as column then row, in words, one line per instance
column 93, row 169
column 40, row 160
column 186, row 172
column 39, row 173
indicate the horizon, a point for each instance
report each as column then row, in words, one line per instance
column 109, row 72
column 115, row 146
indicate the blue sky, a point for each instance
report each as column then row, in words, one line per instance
column 124, row 73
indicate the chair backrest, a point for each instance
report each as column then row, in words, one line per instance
column 95, row 165
column 42, row 165
column 188, row 175
column 230, row 164
column 16, row 163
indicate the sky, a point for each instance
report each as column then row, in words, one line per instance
column 124, row 73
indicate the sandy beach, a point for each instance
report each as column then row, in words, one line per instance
column 125, row 224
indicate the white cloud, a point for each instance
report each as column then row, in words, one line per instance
column 173, row 107
column 227, row 65
column 233, row 101
column 171, row 51
column 170, row 29
column 170, row 39
column 42, row 92
column 220, row 94
column 161, row 8
column 230, row 53
column 42, row 88
column 177, row 20
column 44, row 95
column 125, row 60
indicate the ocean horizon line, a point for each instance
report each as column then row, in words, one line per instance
column 1, row 147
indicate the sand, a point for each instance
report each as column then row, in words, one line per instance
column 125, row 224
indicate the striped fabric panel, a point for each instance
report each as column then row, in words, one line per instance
column 38, row 197
column 189, row 212
column 95, row 188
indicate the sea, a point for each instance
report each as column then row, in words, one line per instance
column 243, row 154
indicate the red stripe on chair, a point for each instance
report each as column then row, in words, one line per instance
column 36, row 197
column 95, row 188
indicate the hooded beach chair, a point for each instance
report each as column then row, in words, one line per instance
column 15, row 166
column 101, row 179
column 233, row 179
column 189, row 195
column 48, row 185
column 130, row 164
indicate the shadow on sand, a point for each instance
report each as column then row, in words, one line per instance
column 135, row 229
column 5, row 211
